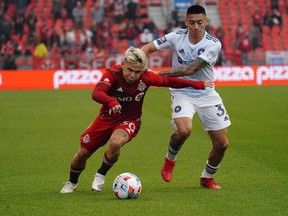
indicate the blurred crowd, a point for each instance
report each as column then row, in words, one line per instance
column 265, row 28
column 71, row 28
column 92, row 28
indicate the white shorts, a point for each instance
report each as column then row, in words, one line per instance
column 210, row 109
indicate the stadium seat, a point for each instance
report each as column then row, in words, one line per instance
column 233, row 11
column 144, row 12
column 11, row 10
column 285, row 46
column 155, row 2
column 265, row 29
column 211, row 2
column 276, row 30
column 143, row 3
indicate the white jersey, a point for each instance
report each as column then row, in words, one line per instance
column 184, row 53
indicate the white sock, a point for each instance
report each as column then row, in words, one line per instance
column 172, row 153
column 209, row 170
column 206, row 174
column 171, row 157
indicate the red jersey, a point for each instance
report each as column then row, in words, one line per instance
column 113, row 89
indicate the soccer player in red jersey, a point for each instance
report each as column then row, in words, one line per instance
column 121, row 91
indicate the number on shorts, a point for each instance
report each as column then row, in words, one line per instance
column 131, row 125
column 220, row 109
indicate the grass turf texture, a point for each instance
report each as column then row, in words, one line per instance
column 39, row 133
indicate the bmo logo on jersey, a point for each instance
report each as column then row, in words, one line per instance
column 138, row 97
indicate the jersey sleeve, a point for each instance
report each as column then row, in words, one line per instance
column 166, row 42
column 211, row 52
column 99, row 93
column 173, row 82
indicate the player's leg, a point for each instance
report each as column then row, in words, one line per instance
column 122, row 134
column 93, row 138
column 179, row 136
column 118, row 139
column 215, row 121
column 78, row 164
column 219, row 145
column 182, row 114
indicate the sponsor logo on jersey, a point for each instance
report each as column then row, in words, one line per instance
column 138, row 97
column 141, row 86
column 123, row 99
column 161, row 40
column 180, row 60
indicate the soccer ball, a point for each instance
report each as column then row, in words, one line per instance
column 127, row 186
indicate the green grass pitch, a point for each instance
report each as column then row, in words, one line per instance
column 39, row 134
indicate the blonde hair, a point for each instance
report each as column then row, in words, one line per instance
column 135, row 56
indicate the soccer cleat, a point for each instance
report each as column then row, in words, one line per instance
column 209, row 183
column 98, row 183
column 69, row 187
column 167, row 170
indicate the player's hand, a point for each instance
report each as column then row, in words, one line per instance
column 115, row 109
column 208, row 83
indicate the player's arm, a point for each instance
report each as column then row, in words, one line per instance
column 149, row 48
column 181, row 83
column 100, row 95
column 185, row 70
column 174, row 82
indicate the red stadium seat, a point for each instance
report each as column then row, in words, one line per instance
column 143, row 3
column 155, row 2
column 266, row 29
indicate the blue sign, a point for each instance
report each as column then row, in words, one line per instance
column 183, row 4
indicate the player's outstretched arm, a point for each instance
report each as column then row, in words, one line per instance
column 208, row 83
column 175, row 82
column 148, row 48
column 190, row 69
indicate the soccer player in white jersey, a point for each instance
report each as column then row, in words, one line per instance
column 194, row 54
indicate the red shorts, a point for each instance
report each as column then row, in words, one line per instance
column 99, row 132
